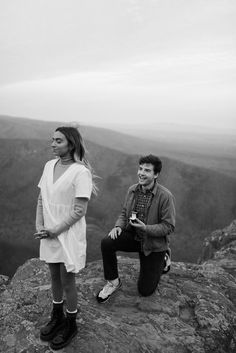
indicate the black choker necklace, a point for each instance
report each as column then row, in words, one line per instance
column 66, row 161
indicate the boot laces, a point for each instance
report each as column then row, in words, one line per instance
column 54, row 319
column 62, row 334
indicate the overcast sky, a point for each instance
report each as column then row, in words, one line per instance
column 107, row 62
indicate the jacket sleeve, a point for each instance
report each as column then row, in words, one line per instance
column 122, row 219
column 167, row 221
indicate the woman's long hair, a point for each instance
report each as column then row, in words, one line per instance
column 78, row 149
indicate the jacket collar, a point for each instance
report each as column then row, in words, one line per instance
column 137, row 187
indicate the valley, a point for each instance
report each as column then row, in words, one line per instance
column 205, row 199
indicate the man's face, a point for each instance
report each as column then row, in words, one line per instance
column 146, row 175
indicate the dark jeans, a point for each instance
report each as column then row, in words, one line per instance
column 151, row 266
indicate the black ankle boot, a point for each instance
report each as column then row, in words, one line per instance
column 64, row 336
column 56, row 323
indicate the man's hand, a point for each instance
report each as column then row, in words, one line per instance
column 115, row 232
column 138, row 224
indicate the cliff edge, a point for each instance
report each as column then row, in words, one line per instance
column 193, row 311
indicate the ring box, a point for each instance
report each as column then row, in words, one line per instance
column 133, row 216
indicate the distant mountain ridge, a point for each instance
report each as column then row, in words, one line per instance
column 204, row 154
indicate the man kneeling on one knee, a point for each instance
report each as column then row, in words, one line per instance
column 146, row 220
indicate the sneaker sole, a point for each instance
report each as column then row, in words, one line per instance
column 106, row 300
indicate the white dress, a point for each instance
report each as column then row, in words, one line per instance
column 58, row 201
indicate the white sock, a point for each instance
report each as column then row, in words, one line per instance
column 54, row 302
column 71, row 312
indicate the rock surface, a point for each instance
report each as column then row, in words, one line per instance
column 194, row 310
column 219, row 249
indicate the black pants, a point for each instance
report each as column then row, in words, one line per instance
column 151, row 266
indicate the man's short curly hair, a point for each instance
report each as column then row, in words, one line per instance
column 154, row 160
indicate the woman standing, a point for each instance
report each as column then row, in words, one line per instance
column 65, row 189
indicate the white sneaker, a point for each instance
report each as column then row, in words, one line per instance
column 167, row 262
column 107, row 291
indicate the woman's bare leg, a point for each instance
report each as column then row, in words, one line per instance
column 57, row 289
column 69, row 287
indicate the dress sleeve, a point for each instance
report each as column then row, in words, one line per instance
column 83, row 184
column 42, row 177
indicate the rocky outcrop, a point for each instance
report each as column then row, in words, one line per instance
column 219, row 249
column 193, row 311
column 4, row 280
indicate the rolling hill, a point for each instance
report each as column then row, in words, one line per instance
column 205, row 200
